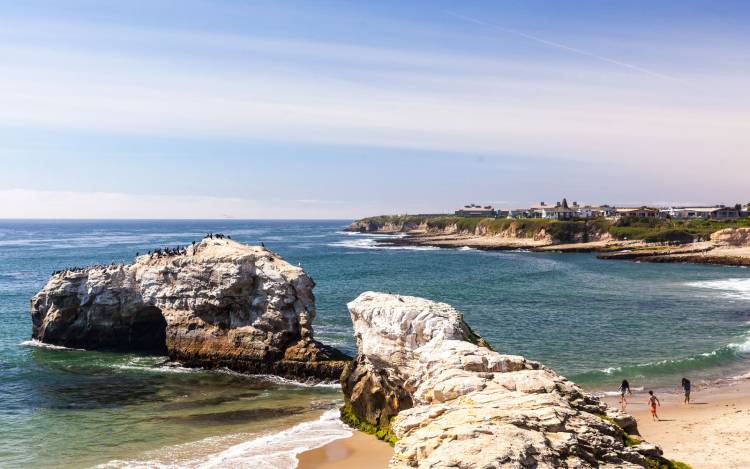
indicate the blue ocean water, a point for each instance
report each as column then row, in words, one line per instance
column 594, row 321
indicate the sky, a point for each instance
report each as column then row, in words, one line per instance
column 322, row 109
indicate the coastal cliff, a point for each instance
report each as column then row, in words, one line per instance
column 425, row 381
column 217, row 304
column 530, row 230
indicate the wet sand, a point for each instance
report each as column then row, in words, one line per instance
column 713, row 431
column 359, row 451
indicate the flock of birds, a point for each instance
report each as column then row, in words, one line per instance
column 156, row 253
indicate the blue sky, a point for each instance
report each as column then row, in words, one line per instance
column 198, row 109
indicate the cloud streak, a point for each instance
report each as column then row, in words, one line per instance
column 564, row 47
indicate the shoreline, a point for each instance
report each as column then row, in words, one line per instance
column 360, row 450
column 703, row 252
column 710, row 432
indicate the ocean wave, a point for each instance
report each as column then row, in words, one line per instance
column 274, row 451
column 159, row 369
column 741, row 377
column 719, row 356
column 282, row 381
column 736, row 288
column 372, row 235
column 370, row 243
column 37, row 343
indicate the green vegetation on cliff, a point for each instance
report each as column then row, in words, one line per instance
column 561, row 231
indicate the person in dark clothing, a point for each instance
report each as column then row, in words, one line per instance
column 686, row 388
column 624, row 388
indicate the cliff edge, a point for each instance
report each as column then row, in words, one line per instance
column 217, row 303
column 425, row 381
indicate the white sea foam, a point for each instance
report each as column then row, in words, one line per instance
column 283, row 381
column 37, row 343
column 466, row 248
column 273, row 451
column 158, row 369
column 372, row 235
column 735, row 288
column 371, row 243
column 741, row 377
column 744, row 347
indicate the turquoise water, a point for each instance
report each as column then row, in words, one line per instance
column 594, row 321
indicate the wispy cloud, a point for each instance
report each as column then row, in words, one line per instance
column 250, row 86
column 25, row 203
column 566, row 48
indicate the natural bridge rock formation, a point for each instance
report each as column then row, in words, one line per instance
column 451, row 402
column 220, row 304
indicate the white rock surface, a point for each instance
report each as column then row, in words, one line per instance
column 462, row 405
column 221, row 303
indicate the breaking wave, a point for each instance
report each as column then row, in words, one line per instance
column 735, row 288
column 40, row 344
column 720, row 356
column 372, row 243
column 273, row 451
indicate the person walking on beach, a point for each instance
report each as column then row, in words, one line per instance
column 652, row 402
column 686, row 388
column 624, row 387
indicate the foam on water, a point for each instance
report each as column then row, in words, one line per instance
column 37, row 343
column 273, row 451
column 728, row 353
column 736, row 288
column 372, row 243
column 283, row 381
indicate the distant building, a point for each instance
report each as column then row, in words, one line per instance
column 518, row 213
column 557, row 213
column 560, row 211
column 719, row 212
column 474, row 210
column 591, row 211
column 640, row 212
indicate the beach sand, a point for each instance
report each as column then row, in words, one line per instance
column 713, row 431
column 359, row 451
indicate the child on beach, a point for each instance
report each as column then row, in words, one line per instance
column 686, row 388
column 624, row 387
column 652, row 402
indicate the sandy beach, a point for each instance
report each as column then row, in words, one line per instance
column 713, row 431
column 359, row 451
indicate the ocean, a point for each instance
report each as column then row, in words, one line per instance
column 593, row 321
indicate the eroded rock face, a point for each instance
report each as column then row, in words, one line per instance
column 222, row 304
column 459, row 404
column 739, row 237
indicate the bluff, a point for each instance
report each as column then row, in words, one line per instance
column 424, row 379
column 549, row 231
column 218, row 304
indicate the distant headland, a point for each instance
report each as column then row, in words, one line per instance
column 717, row 234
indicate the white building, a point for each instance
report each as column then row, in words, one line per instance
column 714, row 213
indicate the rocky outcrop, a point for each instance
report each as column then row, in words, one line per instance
column 218, row 304
column 422, row 377
column 737, row 237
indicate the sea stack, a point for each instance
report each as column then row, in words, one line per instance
column 218, row 303
column 424, row 380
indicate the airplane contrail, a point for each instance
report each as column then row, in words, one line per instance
column 566, row 48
